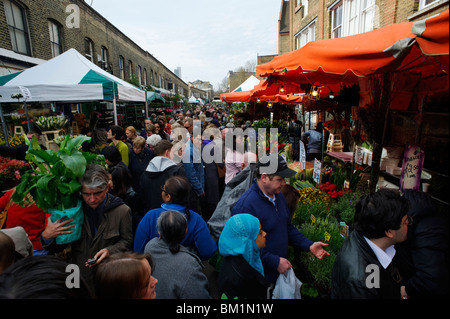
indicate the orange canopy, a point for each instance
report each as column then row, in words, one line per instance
column 422, row 46
column 266, row 90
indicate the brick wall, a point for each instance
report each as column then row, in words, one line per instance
column 93, row 26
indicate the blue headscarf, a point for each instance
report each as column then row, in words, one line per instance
column 238, row 238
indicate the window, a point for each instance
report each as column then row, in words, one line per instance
column 367, row 15
column 349, row 17
column 130, row 68
column 426, row 3
column 122, row 67
column 336, row 22
column 306, row 35
column 305, row 4
column 104, row 58
column 145, row 77
column 140, row 75
column 55, row 38
column 89, row 49
column 17, row 25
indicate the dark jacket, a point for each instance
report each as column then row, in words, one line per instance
column 158, row 171
column 138, row 164
column 238, row 279
column 350, row 274
column 276, row 222
column 426, row 249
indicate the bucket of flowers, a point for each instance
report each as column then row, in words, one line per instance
column 11, row 170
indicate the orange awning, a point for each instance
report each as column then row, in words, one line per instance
column 268, row 91
column 421, row 46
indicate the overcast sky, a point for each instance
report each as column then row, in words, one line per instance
column 206, row 38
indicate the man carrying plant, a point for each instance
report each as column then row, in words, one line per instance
column 366, row 266
column 265, row 201
column 106, row 226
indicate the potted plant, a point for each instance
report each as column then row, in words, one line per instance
column 53, row 182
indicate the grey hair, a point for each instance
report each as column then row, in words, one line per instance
column 172, row 226
column 95, row 176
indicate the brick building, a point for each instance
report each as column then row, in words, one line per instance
column 302, row 21
column 32, row 32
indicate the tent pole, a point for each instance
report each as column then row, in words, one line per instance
column 27, row 115
column 146, row 106
column 115, row 112
column 5, row 131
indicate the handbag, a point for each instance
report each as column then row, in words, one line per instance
column 4, row 213
column 287, row 286
column 220, row 171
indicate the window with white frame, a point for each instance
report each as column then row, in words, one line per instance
column 55, row 38
column 104, row 58
column 130, row 68
column 18, row 28
column 305, row 4
column 89, row 49
column 426, row 3
column 145, row 77
column 336, row 21
column 349, row 17
column 140, row 75
column 122, row 67
column 306, row 35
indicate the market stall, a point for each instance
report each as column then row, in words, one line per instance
column 69, row 77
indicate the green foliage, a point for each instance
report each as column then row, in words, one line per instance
column 304, row 211
column 324, row 229
column 53, row 179
column 345, row 207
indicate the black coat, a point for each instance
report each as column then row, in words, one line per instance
column 238, row 279
column 138, row 163
column 350, row 275
column 150, row 185
column 426, row 249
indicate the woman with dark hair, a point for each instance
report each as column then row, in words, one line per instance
column 175, row 194
column 180, row 273
column 115, row 134
column 122, row 183
column 125, row 275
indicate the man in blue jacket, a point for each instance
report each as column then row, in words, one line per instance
column 265, row 201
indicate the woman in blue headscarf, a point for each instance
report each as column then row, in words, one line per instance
column 242, row 274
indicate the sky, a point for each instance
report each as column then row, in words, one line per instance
column 206, row 38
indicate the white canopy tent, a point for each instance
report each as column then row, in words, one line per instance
column 69, row 77
column 248, row 84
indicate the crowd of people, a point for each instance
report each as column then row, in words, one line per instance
column 146, row 231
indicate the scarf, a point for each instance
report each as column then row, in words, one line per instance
column 238, row 238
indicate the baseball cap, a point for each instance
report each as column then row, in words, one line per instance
column 275, row 164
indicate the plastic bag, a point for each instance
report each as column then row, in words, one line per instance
column 287, row 286
column 77, row 214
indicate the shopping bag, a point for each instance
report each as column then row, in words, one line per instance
column 287, row 286
column 77, row 214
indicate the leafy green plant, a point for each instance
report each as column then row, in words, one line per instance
column 52, row 180
column 327, row 231
column 345, row 207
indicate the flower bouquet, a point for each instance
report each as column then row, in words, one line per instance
column 51, row 123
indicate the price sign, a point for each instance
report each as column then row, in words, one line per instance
column 302, row 155
column 25, row 92
column 412, row 167
column 317, row 170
